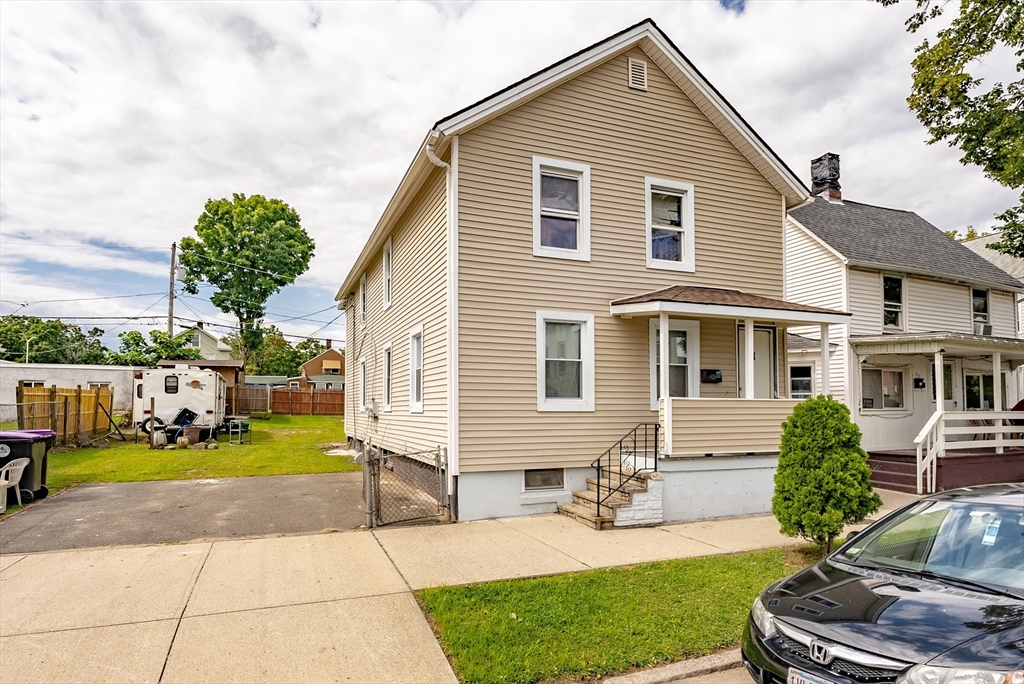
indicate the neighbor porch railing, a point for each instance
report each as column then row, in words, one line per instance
column 624, row 461
column 945, row 431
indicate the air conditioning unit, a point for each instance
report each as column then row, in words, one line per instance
column 371, row 408
column 982, row 329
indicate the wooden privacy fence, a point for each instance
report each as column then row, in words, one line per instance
column 307, row 402
column 74, row 414
column 252, row 399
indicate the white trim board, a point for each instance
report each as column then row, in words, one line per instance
column 723, row 311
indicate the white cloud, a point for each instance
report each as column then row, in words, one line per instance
column 119, row 120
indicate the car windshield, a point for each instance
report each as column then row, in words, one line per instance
column 973, row 541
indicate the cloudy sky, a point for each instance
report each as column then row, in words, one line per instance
column 119, row 120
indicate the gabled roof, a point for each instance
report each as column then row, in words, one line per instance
column 880, row 238
column 652, row 40
column 325, row 352
column 1010, row 264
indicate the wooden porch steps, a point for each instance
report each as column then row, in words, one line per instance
column 584, row 502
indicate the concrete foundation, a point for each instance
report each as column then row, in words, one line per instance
column 501, row 494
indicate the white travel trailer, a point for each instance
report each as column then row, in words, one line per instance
column 184, row 395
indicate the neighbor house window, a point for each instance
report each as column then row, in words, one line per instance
column 801, row 382
column 416, row 370
column 171, row 384
column 362, row 384
column 362, row 300
column 99, row 385
column 386, row 380
column 565, row 366
column 293, row 384
column 561, row 209
column 682, row 359
column 331, row 371
column 196, row 342
column 979, row 309
column 892, row 302
column 669, row 210
column 881, row 389
column 548, row 478
column 386, row 267
column 32, row 383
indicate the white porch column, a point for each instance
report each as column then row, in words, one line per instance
column 663, row 379
column 997, row 396
column 748, row 360
column 940, row 379
column 825, row 389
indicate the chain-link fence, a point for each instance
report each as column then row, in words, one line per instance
column 407, row 487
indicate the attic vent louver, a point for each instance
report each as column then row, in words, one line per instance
column 637, row 74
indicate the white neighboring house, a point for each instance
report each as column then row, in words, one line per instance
column 209, row 344
column 117, row 378
column 919, row 300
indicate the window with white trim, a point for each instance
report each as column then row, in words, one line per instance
column 416, row 370
column 541, row 479
column 561, row 209
column 892, row 302
column 386, row 269
column 386, row 380
column 195, row 341
column 565, row 361
column 979, row 306
column 362, row 300
column 801, row 381
column 683, row 359
column 294, row 383
column 669, row 213
column 362, row 384
column 882, row 389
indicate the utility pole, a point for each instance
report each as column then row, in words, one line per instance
column 27, row 340
column 170, row 291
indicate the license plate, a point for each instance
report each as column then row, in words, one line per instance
column 797, row 677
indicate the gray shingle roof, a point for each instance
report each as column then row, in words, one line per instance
column 1011, row 265
column 896, row 239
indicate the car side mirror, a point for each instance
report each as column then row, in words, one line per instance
column 852, row 534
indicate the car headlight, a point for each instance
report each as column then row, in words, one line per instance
column 930, row 674
column 763, row 619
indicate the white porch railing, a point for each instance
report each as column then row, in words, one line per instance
column 983, row 429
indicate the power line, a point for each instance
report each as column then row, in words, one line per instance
column 78, row 299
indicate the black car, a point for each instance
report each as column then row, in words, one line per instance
column 931, row 594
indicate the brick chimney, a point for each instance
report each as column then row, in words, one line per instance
column 328, row 343
column 825, row 178
column 199, row 325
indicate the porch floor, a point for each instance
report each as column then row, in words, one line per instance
column 897, row 468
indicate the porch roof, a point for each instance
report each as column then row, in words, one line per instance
column 715, row 302
column 946, row 342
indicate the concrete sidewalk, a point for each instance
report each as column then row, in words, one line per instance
column 327, row 607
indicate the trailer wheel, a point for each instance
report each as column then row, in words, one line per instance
column 145, row 427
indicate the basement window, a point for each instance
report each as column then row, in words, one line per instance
column 548, row 478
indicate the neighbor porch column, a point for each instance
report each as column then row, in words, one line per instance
column 748, row 359
column 825, row 389
column 663, row 380
column 997, row 396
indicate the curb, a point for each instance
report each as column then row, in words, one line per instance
column 726, row 660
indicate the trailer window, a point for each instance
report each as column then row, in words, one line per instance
column 171, row 384
column 138, row 391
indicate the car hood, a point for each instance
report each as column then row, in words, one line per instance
column 902, row 618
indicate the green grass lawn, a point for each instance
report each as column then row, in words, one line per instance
column 283, row 445
column 600, row 622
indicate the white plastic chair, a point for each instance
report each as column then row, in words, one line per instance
column 10, row 476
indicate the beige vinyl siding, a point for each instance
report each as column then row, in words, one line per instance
column 1000, row 306
column 624, row 135
column 718, row 351
column 714, row 426
column 933, row 306
column 865, row 301
column 418, row 298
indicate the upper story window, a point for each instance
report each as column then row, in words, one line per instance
column 561, row 209
column 386, row 268
column 565, row 361
column 892, row 302
column 669, row 210
column 196, row 342
column 362, row 300
column 979, row 311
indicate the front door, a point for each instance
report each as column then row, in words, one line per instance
column 764, row 362
column 951, row 385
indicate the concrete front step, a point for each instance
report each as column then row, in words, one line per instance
column 623, row 489
column 586, row 516
column 588, row 497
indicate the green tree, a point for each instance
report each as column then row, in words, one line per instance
column 274, row 356
column 49, row 341
column 971, row 234
column 309, row 348
column 822, row 482
column 134, row 350
column 987, row 125
column 248, row 248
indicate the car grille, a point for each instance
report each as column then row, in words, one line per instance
column 861, row 673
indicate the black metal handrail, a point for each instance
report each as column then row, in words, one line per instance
column 643, row 439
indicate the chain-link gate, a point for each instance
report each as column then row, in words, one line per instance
column 407, row 487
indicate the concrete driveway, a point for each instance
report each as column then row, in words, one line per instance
column 186, row 510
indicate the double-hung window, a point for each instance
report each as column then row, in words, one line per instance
column 892, row 303
column 565, row 361
column 979, row 312
column 801, row 381
column 561, row 209
column 416, row 370
column 362, row 300
column 683, row 360
column 386, row 268
column 386, row 380
column 669, row 212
